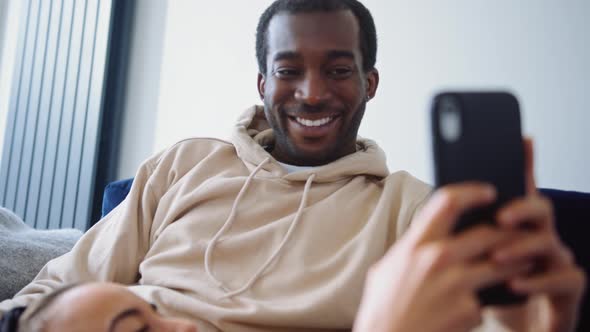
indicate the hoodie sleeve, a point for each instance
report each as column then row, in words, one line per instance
column 110, row 251
column 418, row 193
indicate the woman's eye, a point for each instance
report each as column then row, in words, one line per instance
column 144, row 328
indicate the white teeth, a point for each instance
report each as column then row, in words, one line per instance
column 316, row 123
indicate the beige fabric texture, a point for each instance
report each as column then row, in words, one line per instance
column 155, row 240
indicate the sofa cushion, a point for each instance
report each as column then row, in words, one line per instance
column 26, row 250
column 115, row 193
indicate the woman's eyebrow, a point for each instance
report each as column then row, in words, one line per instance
column 122, row 315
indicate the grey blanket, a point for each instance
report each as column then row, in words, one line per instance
column 25, row 250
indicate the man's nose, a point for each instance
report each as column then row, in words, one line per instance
column 312, row 90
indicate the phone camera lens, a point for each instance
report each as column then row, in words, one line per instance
column 450, row 119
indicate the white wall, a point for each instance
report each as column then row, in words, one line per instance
column 142, row 86
column 9, row 32
column 537, row 48
column 209, row 69
column 3, row 15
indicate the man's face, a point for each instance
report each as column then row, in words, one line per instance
column 315, row 89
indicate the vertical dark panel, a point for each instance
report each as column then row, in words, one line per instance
column 94, row 115
column 115, row 91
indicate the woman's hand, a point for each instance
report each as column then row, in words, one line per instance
column 428, row 280
column 556, row 287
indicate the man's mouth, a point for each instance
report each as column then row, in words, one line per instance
column 314, row 123
column 314, row 127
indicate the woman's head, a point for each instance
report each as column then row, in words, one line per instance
column 98, row 307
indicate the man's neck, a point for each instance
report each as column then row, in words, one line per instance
column 284, row 157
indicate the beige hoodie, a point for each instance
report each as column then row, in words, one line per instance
column 220, row 233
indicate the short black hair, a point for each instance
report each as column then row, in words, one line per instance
column 368, row 33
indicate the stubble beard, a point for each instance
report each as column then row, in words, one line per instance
column 285, row 151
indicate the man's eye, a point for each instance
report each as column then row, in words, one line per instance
column 286, row 72
column 340, row 72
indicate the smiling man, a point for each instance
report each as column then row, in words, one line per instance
column 278, row 229
column 315, row 84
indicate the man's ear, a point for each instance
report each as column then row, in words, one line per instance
column 372, row 82
column 261, row 85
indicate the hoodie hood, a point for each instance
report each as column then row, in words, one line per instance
column 252, row 133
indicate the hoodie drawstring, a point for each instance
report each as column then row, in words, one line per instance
column 229, row 222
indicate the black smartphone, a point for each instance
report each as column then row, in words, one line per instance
column 477, row 137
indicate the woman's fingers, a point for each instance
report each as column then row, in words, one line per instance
column 566, row 281
column 438, row 217
column 486, row 273
column 538, row 245
column 477, row 242
column 533, row 210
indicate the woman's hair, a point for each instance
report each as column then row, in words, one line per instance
column 35, row 318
